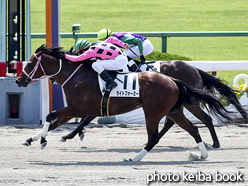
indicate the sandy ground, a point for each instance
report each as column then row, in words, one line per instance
column 98, row 159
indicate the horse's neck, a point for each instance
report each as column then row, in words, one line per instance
column 71, row 69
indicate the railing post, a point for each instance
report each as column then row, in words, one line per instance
column 164, row 44
column 75, row 36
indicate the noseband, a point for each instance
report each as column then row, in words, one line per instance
column 31, row 74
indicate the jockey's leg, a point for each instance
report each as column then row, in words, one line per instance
column 132, row 65
column 147, row 47
column 111, row 84
column 116, row 64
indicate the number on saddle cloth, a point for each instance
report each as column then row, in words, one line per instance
column 128, row 85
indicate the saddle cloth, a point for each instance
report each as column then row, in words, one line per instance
column 128, row 84
column 154, row 64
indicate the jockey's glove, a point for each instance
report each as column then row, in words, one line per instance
column 142, row 59
column 71, row 49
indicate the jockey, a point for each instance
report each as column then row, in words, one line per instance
column 108, row 55
column 140, row 45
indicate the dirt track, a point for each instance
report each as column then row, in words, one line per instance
column 98, row 159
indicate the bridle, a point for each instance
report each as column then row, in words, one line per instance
column 30, row 79
column 38, row 63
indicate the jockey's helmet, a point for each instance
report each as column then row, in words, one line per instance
column 104, row 34
column 82, row 44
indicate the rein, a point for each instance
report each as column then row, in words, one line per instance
column 71, row 75
column 31, row 74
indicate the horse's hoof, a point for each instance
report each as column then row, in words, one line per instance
column 81, row 136
column 26, row 143
column 43, row 145
column 62, row 139
column 216, row 145
column 194, row 157
column 125, row 159
column 203, row 158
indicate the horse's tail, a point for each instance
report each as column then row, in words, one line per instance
column 212, row 83
column 214, row 106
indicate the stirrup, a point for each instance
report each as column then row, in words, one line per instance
column 111, row 88
column 135, row 68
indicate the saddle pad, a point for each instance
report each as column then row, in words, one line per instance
column 155, row 65
column 128, row 85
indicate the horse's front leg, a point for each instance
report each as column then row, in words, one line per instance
column 84, row 121
column 43, row 132
column 56, row 118
column 48, row 126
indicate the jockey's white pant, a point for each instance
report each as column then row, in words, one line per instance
column 110, row 64
column 147, row 49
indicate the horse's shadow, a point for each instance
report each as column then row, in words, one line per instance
column 124, row 163
column 126, row 150
column 140, row 163
column 161, row 149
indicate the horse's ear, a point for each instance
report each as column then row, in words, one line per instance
column 41, row 48
column 48, row 45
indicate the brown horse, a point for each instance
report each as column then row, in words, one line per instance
column 195, row 78
column 160, row 95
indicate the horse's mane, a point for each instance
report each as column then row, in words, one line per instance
column 50, row 51
column 59, row 50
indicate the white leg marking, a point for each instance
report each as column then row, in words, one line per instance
column 142, row 153
column 45, row 129
column 37, row 136
column 204, row 153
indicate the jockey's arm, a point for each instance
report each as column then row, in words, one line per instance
column 86, row 55
column 135, row 41
column 116, row 41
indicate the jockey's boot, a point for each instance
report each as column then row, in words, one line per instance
column 133, row 66
column 111, row 84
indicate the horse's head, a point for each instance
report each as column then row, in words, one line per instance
column 31, row 71
column 37, row 67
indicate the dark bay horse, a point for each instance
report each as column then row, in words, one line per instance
column 195, row 78
column 160, row 96
column 202, row 80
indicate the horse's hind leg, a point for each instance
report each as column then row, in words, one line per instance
column 153, row 135
column 207, row 120
column 84, row 121
column 155, row 139
column 184, row 123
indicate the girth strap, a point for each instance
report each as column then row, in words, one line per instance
column 105, row 104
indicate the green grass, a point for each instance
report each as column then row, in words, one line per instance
column 159, row 56
column 158, row 15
